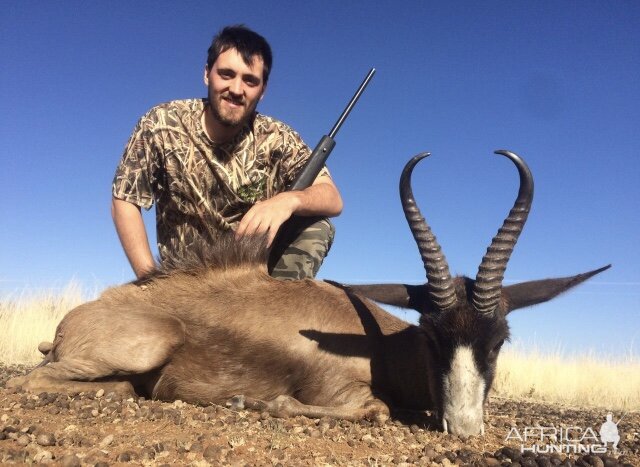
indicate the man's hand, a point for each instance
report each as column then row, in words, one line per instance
column 265, row 217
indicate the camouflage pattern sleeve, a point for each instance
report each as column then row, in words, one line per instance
column 134, row 177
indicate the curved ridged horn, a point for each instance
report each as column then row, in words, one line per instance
column 440, row 286
column 488, row 286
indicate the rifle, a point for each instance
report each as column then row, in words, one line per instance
column 318, row 157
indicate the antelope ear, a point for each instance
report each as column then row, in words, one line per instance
column 534, row 292
column 400, row 295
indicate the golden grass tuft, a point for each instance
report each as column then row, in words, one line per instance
column 590, row 380
column 524, row 372
column 29, row 318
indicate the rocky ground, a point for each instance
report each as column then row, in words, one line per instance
column 101, row 429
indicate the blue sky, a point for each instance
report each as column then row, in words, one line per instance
column 556, row 82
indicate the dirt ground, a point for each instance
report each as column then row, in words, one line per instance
column 102, row 429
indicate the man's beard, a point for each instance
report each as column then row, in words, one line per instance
column 231, row 120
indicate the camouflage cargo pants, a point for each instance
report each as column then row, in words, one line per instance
column 300, row 248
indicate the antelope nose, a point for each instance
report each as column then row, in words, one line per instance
column 463, row 430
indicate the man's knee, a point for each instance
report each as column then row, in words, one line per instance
column 301, row 249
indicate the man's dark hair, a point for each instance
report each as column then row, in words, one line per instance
column 246, row 42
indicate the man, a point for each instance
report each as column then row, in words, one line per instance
column 215, row 164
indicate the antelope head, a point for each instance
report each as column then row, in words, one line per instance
column 464, row 320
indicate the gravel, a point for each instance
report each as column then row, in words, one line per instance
column 101, row 429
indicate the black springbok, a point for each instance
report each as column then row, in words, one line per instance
column 222, row 330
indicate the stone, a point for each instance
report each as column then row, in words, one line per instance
column 106, row 441
column 46, row 439
column 70, row 460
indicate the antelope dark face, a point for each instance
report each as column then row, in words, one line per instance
column 465, row 319
column 465, row 344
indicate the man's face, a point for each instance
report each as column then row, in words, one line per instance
column 235, row 88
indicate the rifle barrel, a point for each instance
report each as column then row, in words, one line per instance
column 321, row 152
column 352, row 102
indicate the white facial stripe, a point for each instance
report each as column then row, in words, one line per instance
column 463, row 394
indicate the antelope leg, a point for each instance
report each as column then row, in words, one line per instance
column 60, row 377
column 97, row 348
column 287, row 406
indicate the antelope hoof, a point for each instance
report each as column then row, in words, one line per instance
column 236, row 403
column 16, row 382
column 380, row 417
column 45, row 347
column 376, row 412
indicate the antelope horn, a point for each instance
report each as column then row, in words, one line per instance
column 440, row 286
column 488, row 285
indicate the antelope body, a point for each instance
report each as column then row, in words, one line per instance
column 220, row 329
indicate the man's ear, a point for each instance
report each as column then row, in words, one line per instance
column 264, row 91
column 206, row 75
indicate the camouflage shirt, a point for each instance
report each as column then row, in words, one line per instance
column 199, row 187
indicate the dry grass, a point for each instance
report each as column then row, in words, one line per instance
column 29, row 318
column 523, row 372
